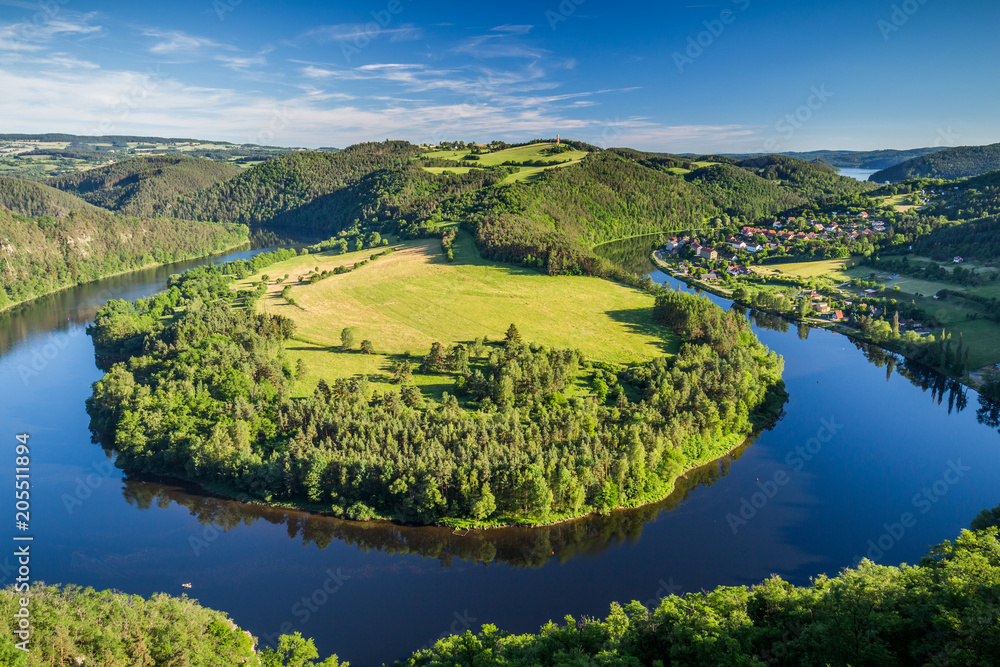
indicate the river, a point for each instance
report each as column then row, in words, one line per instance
column 859, row 444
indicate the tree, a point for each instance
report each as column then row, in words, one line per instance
column 367, row 347
column 347, row 338
column 435, row 359
column 295, row 651
column 895, row 324
column 512, row 335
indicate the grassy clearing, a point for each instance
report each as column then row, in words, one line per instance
column 834, row 268
column 411, row 298
column 449, row 170
column 532, row 152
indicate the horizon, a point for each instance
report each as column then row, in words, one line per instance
column 736, row 76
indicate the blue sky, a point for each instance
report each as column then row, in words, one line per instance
column 697, row 76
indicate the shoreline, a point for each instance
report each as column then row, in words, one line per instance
column 221, row 491
column 851, row 334
column 144, row 267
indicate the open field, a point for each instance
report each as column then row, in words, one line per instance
column 695, row 165
column 835, row 268
column 411, row 298
column 531, row 152
column 450, row 170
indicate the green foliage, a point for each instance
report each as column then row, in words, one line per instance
column 949, row 163
column 74, row 625
column 144, row 186
column 41, row 255
column 204, row 394
column 36, row 200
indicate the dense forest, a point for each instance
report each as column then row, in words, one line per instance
column 202, row 385
column 36, row 200
column 816, row 181
column 951, row 163
column 979, row 239
column 44, row 254
column 274, row 189
column 144, row 186
column 71, row 625
column 738, row 192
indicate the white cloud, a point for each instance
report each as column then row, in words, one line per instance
column 175, row 41
column 37, row 30
column 241, row 62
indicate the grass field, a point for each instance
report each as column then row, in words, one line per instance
column 411, row 298
column 834, row 268
column 530, row 152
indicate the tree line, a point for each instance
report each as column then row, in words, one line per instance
column 201, row 390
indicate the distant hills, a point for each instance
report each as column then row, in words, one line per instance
column 36, row 199
column 880, row 159
column 951, row 163
column 144, row 186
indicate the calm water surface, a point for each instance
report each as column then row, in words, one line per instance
column 373, row 593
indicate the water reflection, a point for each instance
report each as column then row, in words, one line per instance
column 519, row 547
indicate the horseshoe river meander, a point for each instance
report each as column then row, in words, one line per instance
column 865, row 439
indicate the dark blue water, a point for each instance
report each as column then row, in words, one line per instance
column 871, row 442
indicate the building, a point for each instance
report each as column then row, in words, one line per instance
column 821, row 307
column 709, row 253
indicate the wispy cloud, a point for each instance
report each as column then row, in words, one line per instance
column 36, row 32
column 174, row 42
column 355, row 31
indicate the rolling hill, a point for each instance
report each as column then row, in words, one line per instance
column 961, row 162
column 35, row 199
column 144, row 186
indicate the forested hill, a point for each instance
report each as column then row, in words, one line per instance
column 145, row 186
column 43, row 254
column 555, row 221
column 736, row 191
column 35, row 199
column 951, row 163
column 262, row 194
column 979, row 239
column 879, row 159
column 816, row 181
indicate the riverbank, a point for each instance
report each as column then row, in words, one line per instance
column 971, row 380
column 245, row 244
